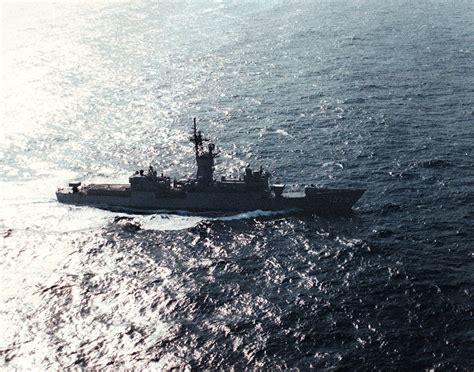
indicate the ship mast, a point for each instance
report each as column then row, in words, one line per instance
column 195, row 139
column 204, row 159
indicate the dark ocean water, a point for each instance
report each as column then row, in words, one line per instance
column 336, row 93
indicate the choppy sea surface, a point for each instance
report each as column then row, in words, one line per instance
column 337, row 93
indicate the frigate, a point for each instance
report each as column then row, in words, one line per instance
column 148, row 191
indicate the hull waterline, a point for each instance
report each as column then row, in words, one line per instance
column 328, row 201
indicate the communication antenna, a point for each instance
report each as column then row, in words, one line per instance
column 195, row 139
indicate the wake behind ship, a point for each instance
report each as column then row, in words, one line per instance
column 148, row 191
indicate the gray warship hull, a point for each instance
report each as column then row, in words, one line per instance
column 117, row 197
column 148, row 191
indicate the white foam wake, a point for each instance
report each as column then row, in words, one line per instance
column 253, row 214
column 165, row 222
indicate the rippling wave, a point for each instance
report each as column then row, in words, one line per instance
column 360, row 94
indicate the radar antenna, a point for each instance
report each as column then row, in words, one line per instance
column 198, row 140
